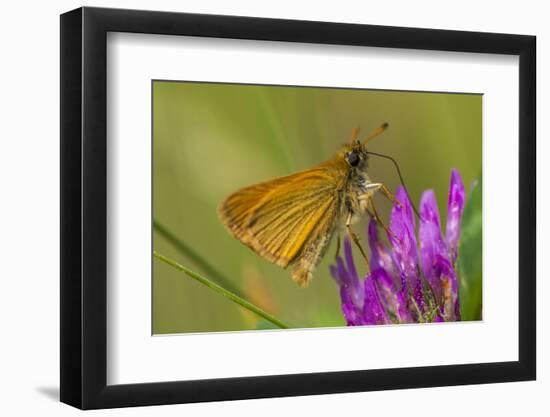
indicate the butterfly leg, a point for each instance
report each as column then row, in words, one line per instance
column 376, row 217
column 338, row 243
column 377, row 186
column 355, row 240
column 387, row 193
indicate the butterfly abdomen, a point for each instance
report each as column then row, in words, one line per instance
column 304, row 266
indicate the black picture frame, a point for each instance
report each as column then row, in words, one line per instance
column 84, row 207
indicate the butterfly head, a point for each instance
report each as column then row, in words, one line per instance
column 355, row 155
column 355, row 152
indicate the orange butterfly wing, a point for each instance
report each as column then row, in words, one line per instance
column 278, row 218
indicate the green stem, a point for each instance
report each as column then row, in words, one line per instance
column 194, row 257
column 220, row 290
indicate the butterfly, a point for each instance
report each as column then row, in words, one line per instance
column 291, row 220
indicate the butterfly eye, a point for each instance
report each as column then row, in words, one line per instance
column 353, row 158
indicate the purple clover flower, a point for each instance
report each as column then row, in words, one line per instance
column 414, row 281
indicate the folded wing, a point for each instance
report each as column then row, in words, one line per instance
column 279, row 218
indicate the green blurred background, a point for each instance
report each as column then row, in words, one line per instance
column 210, row 139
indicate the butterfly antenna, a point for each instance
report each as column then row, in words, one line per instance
column 354, row 135
column 400, row 178
column 379, row 130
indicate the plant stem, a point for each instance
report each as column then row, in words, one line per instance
column 220, row 290
column 194, row 257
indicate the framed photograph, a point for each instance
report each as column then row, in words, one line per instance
column 257, row 208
